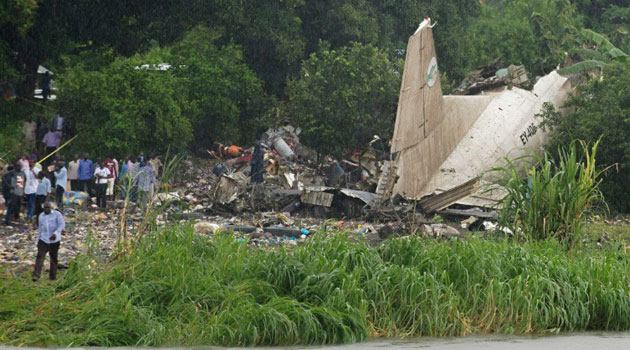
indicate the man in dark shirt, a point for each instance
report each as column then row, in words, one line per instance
column 16, row 181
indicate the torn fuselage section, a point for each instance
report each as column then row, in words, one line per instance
column 442, row 142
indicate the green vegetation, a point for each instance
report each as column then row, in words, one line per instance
column 614, row 229
column 601, row 111
column 594, row 59
column 177, row 288
column 204, row 92
column 547, row 198
column 534, row 33
column 342, row 98
column 11, row 133
column 235, row 66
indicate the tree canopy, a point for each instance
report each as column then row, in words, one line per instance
column 235, row 67
column 343, row 97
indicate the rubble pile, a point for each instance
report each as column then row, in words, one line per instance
column 297, row 200
column 18, row 242
column 294, row 182
column 491, row 77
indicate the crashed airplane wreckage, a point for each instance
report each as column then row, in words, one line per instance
column 443, row 144
column 441, row 147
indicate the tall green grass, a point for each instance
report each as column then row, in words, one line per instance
column 177, row 288
column 550, row 197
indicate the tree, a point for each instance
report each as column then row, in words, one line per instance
column 601, row 110
column 398, row 19
column 535, row 33
column 343, row 97
column 609, row 17
column 167, row 97
column 122, row 109
column 601, row 54
column 224, row 98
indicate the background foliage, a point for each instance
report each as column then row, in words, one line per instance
column 344, row 97
column 238, row 66
column 602, row 109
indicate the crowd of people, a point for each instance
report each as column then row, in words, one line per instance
column 30, row 188
column 28, row 184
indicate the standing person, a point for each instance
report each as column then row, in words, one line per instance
column 30, row 189
column 41, row 131
column 6, row 185
column 111, row 179
column 124, row 168
column 51, row 140
column 50, row 225
column 145, row 181
column 16, row 183
column 30, row 135
column 86, row 170
column 123, row 178
column 132, row 172
column 132, row 165
column 101, row 174
column 156, row 164
column 257, row 164
column 24, row 163
column 57, row 124
column 61, row 180
column 116, row 167
column 44, row 188
column 73, row 173
column 46, row 86
column 257, row 170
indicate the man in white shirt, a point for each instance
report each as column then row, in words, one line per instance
column 51, row 224
column 29, row 134
column 30, row 189
column 61, row 180
column 101, row 174
column 44, row 188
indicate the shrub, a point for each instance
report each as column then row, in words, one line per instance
column 553, row 197
column 601, row 110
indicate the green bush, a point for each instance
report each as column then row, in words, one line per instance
column 343, row 97
column 205, row 93
column 535, row 33
column 600, row 110
column 553, row 197
column 14, row 114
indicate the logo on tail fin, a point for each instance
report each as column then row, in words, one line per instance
column 432, row 72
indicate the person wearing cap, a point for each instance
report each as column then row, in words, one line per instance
column 51, row 224
column 111, row 179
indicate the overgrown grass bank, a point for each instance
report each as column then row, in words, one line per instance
column 180, row 289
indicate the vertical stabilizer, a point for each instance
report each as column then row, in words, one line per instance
column 420, row 104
